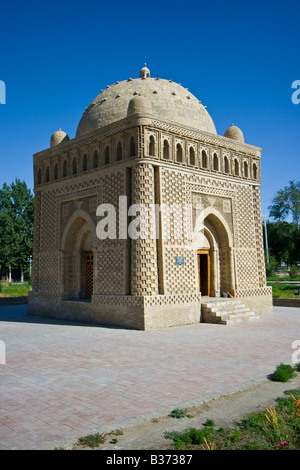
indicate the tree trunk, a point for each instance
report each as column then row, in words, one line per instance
column 22, row 274
column 9, row 274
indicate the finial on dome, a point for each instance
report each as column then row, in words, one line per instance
column 145, row 72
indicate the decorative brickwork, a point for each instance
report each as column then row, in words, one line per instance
column 155, row 279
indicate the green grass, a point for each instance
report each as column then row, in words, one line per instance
column 285, row 290
column 283, row 373
column 283, row 278
column 91, row 440
column 17, row 289
column 179, row 413
column 273, row 429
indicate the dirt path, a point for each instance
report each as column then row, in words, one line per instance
column 226, row 411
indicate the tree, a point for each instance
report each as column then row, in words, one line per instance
column 283, row 240
column 287, row 202
column 16, row 224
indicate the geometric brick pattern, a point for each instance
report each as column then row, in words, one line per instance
column 144, row 277
column 144, row 272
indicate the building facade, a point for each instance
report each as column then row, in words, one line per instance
column 147, row 214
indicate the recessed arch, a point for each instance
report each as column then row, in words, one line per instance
column 192, row 157
column 236, row 167
column 77, row 215
column 74, row 166
column 226, row 164
column 166, row 149
column 254, row 171
column 152, row 146
column 119, row 155
column 179, row 153
column 84, row 163
column 107, row 155
column 132, row 150
column 216, row 243
column 47, row 175
column 95, row 159
column 78, row 246
column 216, row 162
column 204, row 159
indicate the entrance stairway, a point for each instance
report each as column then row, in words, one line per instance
column 225, row 311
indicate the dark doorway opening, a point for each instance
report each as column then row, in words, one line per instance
column 204, row 272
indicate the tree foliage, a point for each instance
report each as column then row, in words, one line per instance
column 287, row 202
column 284, row 237
column 16, row 224
column 284, row 242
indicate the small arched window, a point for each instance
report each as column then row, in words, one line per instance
column 74, row 166
column 152, row 146
column 192, row 156
column 65, row 169
column 132, row 147
column 254, row 171
column 204, row 159
column 119, row 151
column 226, row 164
column 246, row 173
column 106, row 156
column 216, row 162
column 236, row 167
column 39, row 177
column 166, row 152
column 84, row 162
column 56, row 171
column 47, row 175
column 178, row 153
column 95, row 159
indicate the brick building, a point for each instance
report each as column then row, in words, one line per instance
column 148, row 142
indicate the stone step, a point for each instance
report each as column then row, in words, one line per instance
column 226, row 311
column 222, row 304
column 225, row 308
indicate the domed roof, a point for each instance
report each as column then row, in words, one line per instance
column 139, row 104
column 58, row 137
column 145, row 72
column 162, row 98
column 234, row 133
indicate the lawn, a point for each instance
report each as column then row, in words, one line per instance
column 18, row 289
column 285, row 290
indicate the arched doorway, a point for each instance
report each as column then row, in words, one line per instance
column 78, row 246
column 215, row 263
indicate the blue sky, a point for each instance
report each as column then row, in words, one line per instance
column 239, row 58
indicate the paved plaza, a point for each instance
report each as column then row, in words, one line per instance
column 63, row 380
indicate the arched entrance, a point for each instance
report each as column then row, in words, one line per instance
column 78, row 246
column 215, row 256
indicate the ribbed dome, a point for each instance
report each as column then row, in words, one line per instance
column 234, row 133
column 58, row 137
column 163, row 99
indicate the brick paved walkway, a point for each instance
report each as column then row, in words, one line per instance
column 64, row 380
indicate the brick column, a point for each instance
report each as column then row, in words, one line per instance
column 144, row 278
